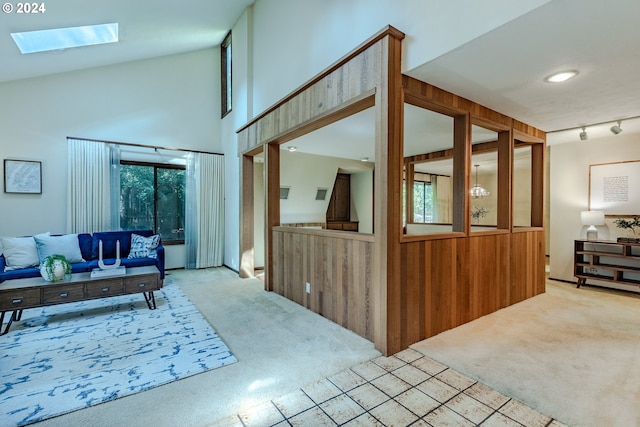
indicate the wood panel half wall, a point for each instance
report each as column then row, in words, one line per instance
column 449, row 282
column 338, row 268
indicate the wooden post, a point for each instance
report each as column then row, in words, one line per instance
column 388, row 206
column 272, row 211
column 505, row 165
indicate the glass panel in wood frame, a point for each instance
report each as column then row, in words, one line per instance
column 428, row 151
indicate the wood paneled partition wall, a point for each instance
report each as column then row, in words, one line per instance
column 341, row 290
column 389, row 287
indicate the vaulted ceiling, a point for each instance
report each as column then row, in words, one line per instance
column 148, row 28
column 502, row 69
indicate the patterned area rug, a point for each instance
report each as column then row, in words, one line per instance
column 66, row 357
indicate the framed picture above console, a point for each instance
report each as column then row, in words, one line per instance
column 614, row 188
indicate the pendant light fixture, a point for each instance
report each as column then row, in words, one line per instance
column 477, row 192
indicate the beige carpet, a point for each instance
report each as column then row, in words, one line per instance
column 280, row 345
column 573, row 354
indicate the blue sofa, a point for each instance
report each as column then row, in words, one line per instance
column 89, row 244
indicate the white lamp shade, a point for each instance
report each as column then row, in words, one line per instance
column 592, row 217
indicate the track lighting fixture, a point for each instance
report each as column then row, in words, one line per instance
column 616, row 129
column 583, row 134
column 598, row 129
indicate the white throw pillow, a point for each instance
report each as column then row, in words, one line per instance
column 20, row 252
column 66, row 245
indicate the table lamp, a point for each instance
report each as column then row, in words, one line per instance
column 592, row 218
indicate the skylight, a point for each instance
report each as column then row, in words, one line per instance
column 65, row 38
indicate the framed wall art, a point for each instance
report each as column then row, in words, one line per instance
column 614, row 188
column 22, row 176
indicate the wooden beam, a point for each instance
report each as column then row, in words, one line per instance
column 386, row 31
column 353, row 106
column 435, row 155
column 482, row 147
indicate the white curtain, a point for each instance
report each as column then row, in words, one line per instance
column 443, row 199
column 93, row 186
column 114, row 167
column 204, row 210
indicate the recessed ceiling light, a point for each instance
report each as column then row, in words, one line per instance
column 561, row 77
column 364, row 159
column 65, row 38
column 292, row 148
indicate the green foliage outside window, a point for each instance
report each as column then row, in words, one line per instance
column 422, row 202
column 152, row 197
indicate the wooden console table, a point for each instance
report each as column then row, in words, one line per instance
column 607, row 261
column 18, row 294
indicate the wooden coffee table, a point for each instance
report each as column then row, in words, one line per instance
column 18, row 294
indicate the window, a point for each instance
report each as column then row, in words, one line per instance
column 152, row 198
column 225, row 74
column 422, row 202
column 64, row 38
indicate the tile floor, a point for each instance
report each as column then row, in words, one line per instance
column 405, row 389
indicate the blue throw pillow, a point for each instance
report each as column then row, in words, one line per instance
column 144, row 247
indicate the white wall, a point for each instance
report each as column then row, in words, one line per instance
column 362, row 200
column 258, row 214
column 489, row 181
column 294, row 40
column 175, row 256
column 169, row 101
column 522, row 197
column 304, row 174
column 240, row 114
column 569, row 193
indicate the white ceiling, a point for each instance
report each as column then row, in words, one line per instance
column 502, row 69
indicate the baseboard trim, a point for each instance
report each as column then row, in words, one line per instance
column 232, row 269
